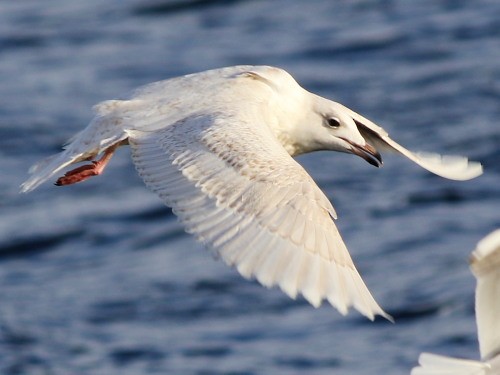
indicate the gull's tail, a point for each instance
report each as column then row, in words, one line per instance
column 104, row 131
column 433, row 364
column 45, row 169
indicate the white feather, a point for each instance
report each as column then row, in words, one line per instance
column 452, row 167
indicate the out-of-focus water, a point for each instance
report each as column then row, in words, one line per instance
column 99, row 278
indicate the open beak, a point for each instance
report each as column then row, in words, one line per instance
column 367, row 152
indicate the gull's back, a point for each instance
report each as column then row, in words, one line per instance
column 157, row 105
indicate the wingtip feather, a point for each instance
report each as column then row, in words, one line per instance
column 453, row 167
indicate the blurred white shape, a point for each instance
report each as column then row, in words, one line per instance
column 485, row 265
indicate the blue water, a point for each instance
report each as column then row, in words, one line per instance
column 99, row 278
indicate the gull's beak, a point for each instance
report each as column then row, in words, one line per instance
column 367, row 152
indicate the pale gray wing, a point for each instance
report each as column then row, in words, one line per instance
column 485, row 264
column 238, row 191
column 452, row 167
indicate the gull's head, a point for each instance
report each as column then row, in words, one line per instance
column 328, row 126
column 305, row 122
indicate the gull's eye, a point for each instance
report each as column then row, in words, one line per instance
column 333, row 122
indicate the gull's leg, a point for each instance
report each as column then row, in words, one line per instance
column 86, row 171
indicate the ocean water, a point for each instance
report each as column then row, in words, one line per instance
column 99, row 278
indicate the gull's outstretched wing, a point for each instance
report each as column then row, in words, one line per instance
column 433, row 364
column 485, row 264
column 238, row 191
column 452, row 167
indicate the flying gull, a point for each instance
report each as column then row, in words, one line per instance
column 485, row 265
column 217, row 147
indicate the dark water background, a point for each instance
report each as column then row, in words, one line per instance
column 100, row 278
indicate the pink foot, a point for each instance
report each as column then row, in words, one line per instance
column 86, row 171
column 79, row 174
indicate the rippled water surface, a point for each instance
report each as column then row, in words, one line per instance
column 99, row 278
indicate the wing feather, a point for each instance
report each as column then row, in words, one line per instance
column 451, row 167
column 249, row 202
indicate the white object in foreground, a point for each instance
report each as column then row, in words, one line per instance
column 485, row 265
column 216, row 146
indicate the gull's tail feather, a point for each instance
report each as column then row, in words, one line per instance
column 433, row 364
column 105, row 130
column 45, row 169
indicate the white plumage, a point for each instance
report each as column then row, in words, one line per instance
column 485, row 265
column 216, row 146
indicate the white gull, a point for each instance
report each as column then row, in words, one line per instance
column 485, row 265
column 217, row 147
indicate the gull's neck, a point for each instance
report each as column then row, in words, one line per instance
column 289, row 122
